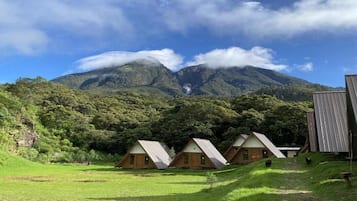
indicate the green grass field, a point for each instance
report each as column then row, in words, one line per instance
column 287, row 179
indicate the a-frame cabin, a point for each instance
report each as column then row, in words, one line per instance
column 199, row 154
column 256, row 147
column 146, row 154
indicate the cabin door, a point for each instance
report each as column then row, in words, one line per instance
column 139, row 162
column 255, row 154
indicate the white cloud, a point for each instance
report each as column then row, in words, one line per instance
column 255, row 19
column 236, row 56
column 308, row 67
column 218, row 58
column 29, row 26
column 32, row 42
column 165, row 56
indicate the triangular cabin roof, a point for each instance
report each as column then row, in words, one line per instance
column 156, row 152
column 211, row 152
column 264, row 142
column 207, row 148
column 240, row 140
column 331, row 121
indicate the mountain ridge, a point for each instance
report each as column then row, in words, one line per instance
column 155, row 78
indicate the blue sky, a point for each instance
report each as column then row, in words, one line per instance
column 312, row 39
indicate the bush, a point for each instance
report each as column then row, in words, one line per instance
column 30, row 153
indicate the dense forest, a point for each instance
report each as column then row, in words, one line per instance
column 49, row 122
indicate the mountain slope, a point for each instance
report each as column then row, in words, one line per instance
column 138, row 76
column 232, row 81
column 154, row 78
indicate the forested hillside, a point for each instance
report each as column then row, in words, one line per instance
column 294, row 93
column 46, row 121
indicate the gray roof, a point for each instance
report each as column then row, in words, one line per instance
column 311, row 125
column 331, row 121
column 244, row 136
column 156, row 152
column 289, row 148
column 268, row 144
column 211, row 152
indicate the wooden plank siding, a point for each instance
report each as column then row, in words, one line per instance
column 248, row 155
column 192, row 161
column 139, row 162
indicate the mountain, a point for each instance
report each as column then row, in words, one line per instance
column 232, row 81
column 140, row 76
column 154, row 78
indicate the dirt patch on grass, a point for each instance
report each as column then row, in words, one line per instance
column 33, row 178
column 153, row 175
column 146, row 175
column 90, row 180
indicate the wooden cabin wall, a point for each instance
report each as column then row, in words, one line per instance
column 138, row 163
column 254, row 154
column 194, row 161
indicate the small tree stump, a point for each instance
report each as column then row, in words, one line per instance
column 346, row 176
column 268, row 163
column 308, row 160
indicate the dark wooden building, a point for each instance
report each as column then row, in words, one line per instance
column 351, row 96
column 199, row 154
column 311, row 125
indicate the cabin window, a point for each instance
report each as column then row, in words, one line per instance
column 245, row 155
column 203, row 159
column 146, row 160
column 185, row 158
column 265, row 153
column 132, row 158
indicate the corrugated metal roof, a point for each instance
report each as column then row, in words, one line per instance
column 211, row 152
column 289, row 148
column 243, row 137
column 311, row 125
column 331, row 121
column 156, row 152
column 268, row 144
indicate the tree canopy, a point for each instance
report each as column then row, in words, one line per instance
column 62, row 124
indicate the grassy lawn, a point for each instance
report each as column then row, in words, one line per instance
column 287, row 179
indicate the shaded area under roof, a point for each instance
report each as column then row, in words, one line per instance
column 311, row 125
column 351, row 87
